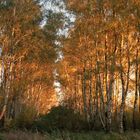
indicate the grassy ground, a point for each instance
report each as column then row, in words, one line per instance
column 19, row 135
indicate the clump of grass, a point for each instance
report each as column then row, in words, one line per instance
column 1, row 137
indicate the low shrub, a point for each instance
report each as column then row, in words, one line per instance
column 60, row 118
column 24, row 119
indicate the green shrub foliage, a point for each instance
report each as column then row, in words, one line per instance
column 60, row 118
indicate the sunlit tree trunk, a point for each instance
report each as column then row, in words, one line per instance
column 124, row 84
column 84, row 94
column 139, row 88
column 91, row 96
column 136, row 91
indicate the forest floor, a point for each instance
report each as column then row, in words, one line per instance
column 19, row 135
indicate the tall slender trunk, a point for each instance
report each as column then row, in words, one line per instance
column 109, row 79
column 106, row 81
column 90, row 97
column 101, row 112
column 110, row 85
column 84, row 94
column 116, row 100
column 95, row 102
column 6, row 87
column 136, row 92
column 124, row 86
column 75, row 93
column 139, row 88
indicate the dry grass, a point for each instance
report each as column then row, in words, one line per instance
column 19, row 135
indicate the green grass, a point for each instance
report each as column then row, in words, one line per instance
column 19, row 135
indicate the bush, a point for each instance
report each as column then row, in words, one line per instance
column 25, row 119
column 60, row 118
